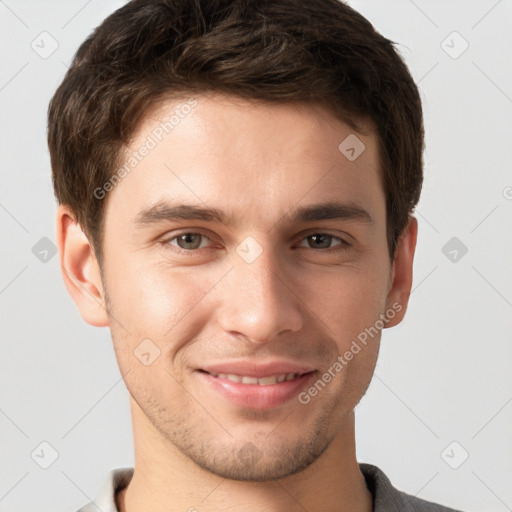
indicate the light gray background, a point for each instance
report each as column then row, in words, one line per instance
column 443, row 375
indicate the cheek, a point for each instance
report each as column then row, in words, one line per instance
column 348, row 300
column 161, row 303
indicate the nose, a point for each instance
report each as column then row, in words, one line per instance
column 257, row 299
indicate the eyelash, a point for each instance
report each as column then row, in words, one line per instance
column 342, row 246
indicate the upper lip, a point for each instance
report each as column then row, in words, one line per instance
column 255, row 369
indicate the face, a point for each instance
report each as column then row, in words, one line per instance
column 245, row 256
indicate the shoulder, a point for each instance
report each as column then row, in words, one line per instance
column 105, row 500
column 387, row 498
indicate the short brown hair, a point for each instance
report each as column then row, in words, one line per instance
column 318, row 51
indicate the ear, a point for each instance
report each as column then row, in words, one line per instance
column 80, row 269
column 401, row 279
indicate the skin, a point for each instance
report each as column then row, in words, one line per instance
column 299, row 300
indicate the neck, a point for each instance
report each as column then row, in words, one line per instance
column 164, row 479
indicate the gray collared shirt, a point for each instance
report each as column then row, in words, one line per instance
column 385, row 497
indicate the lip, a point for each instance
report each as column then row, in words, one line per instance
column 255, row 396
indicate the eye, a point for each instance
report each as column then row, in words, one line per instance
column 187, row 241
column 324, row 240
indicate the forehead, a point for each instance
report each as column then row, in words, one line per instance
column 253, row 159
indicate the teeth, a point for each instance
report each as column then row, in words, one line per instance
column 263, row 381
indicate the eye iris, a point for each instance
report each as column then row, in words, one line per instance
column 185, row 239
column 323, row 240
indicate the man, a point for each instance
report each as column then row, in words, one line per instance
column 236, row 181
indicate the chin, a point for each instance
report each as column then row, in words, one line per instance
column 273, row 461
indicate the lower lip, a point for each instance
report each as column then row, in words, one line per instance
column 256, row 396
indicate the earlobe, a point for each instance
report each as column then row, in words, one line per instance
column 401, row 281
column 80, row 269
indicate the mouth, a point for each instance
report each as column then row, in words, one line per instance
column 264, row 391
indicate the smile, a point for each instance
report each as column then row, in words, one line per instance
column 262, row 381
column 268, row 390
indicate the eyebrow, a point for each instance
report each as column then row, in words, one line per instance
column 165, row 212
